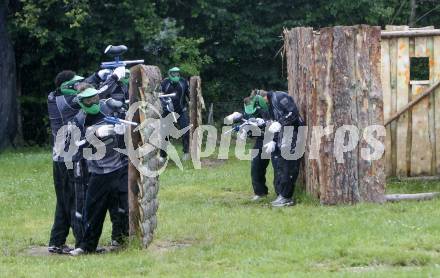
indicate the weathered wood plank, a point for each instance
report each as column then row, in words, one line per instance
column 410, row 33
column 312, row 176
column 345, row 186
column 362, row 90
column 300, row 69
column 195, row 112
column 386, row 89
column 376, row 190
column 412, row 197
column 393, row 83
column 402, row 97
column 435, row 76
column 306, row 71
column 421, row 155
column 431, row 112
column 324, row 90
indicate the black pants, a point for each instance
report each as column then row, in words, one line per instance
column 182, row 121
column 102, row 195
column 81, row 179
column 258, row 170
column 65, row 206
column 285, row 174
column 119, row 213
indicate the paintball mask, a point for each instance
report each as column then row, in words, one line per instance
column 126, row 79
column 89, row 101
column 69, row 87
column 253, row 103
column 174, row 74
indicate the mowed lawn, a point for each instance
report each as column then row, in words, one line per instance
column 207, row 227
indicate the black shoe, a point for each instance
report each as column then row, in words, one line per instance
column 283, row 202
column 100, row 250
column 63, row 249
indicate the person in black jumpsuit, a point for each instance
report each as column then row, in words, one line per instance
column 180, row 87
column 282, row 112
column 105, row 173
column 116, row 84
column 61, row 110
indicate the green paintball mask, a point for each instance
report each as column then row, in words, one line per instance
column 89, row 101
column 257, row 102
column 69, row 87
column 126, row 79
column 174, row 74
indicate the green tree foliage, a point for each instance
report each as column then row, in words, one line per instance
column 233, row 44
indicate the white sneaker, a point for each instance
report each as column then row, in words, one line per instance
column 186, row 157
column 257, row 198
column 77, row 252
column 279, row 197
column 283, row 202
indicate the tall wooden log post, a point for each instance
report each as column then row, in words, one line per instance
column 143, row 189
column 196, row 106
column 336, row 83
column 298, row 43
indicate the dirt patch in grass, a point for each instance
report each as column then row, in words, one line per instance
column 212, row 162
column 41, row 251
column 170, row 245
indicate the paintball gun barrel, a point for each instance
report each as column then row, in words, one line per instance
column 115, row 120
column 116, row 52
column 251, row 121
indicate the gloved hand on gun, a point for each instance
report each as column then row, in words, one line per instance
column 236, row 116
column 119, row 124
column 114, row 125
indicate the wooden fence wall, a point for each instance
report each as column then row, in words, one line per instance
column 412, row 143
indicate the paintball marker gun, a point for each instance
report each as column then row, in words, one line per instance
column 115, row 120
column 116, row 52
column 258, row 122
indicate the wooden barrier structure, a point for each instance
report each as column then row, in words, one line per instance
column 196, row 105
column 142, row 189
column 413, row 124
column 334, row 77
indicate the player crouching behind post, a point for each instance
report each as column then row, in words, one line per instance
column 106, row 167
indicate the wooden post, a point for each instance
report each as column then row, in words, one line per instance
column 298, row 44
column 142, row 190
column 195, row 114
column 335, row 79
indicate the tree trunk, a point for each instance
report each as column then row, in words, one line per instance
column 142, row 146
column 413, row 13
column 8, row 97
column 19, row 139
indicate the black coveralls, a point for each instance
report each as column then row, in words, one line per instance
column 181, row 89
column 68, row 190
column 118, row 91
column 258, row 164
column 107, row 176
column 282, row 108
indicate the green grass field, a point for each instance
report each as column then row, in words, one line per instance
column 207, row 227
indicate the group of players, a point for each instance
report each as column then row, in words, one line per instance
column 91, row 187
